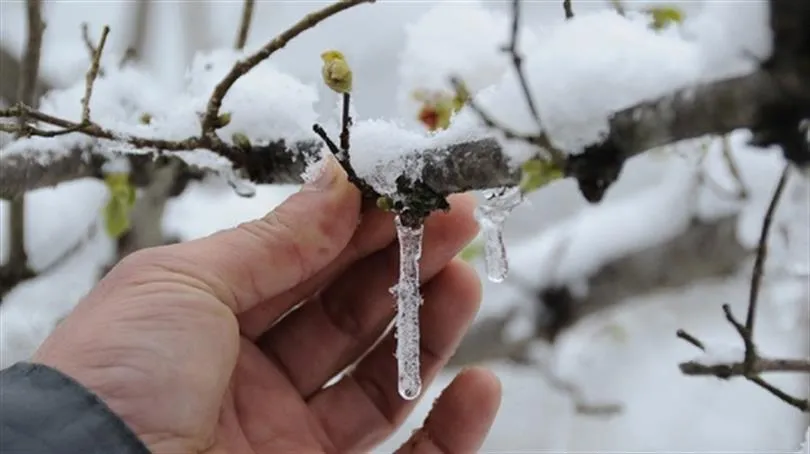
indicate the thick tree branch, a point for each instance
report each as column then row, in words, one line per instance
column 712, row 108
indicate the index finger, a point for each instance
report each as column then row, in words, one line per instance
column 260, row 259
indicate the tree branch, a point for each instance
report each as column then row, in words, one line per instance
column 705, row 250
column 759, row 262
column 712, row 108
column 16, row 268
column 244, row 25
column 753, row 364
column 209, row 121
column 147, row 215
column 10, row 78
column 760, row 365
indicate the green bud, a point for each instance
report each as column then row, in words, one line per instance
column 241, row 141
column 224, row 119
column 663, row 16
column 385, row 203
column 538, row 173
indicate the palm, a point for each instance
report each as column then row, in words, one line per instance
column 262, row 412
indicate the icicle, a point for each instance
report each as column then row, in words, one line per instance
column 491, row 216
column 239, row 186
column 408, row 302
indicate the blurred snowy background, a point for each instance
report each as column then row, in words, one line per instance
column 626, row 355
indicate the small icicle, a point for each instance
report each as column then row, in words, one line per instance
column 409, row 300
column 239, row 186
column 491, row 216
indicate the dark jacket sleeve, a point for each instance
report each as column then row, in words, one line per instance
column 43, row 411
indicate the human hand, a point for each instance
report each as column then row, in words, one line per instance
column 201, row 346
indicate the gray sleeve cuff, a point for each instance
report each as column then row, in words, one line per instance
column 44, row 411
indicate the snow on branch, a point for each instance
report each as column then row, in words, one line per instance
column 462, row 158
column 716, row 107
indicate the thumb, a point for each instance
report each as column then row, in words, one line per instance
column 257, row 260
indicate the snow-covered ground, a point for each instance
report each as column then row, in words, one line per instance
column 579, row 72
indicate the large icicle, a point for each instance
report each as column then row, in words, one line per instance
column 409, row 300
column 491, row 216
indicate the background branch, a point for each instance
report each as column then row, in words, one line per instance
column 244, row 25
column 706, row 250
column 753, row 364
column 16, row 268
column 760, row 365
column 10, row 78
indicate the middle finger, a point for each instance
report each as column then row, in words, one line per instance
column 317, row 341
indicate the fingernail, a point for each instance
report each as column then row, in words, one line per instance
column 325, row 175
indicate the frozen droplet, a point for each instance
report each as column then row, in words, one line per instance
column 239, row 186
column 491, row 216
column 409, row 299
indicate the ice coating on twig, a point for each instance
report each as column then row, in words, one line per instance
column 409, row 300
column 491, row 216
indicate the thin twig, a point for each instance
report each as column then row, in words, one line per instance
column 747, row 336
column 752, row 363
column 342, row 157
column 244, row 25
column 241, row 67
column 801, row 404
column 517, row 62
column 540, row 139
column 94, row 130
column 345, row 124
column 569, row 11
column 88, row 42
column 690, row 338
column 761, row 365
column 751, row 366
column 733, row 168
column 92, row 74
column 759, row 261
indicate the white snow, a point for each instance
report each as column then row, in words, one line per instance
column 574, row 249
column 383, row 150
column 804, row 447
column 719, row 352
column 583, row 71
column 454, row 39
